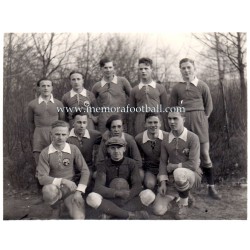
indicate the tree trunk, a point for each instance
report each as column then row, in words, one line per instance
column 221, row 78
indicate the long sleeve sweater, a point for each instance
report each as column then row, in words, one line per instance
column 56, row 165
column 107, row 170
column 178, row 151
column 192, row 98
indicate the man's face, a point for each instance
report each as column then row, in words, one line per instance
column 153, row 124
column 116, row 128
column 76, row 81
column 175, row 121
column 116, row 152
column 187, row 71
column 80, row 124
column 108, row 70
column 145, row 71
column 59, row 135
column 45, row 88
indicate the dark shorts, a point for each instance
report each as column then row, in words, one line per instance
column 41, row 138
column 152, row 168
column 197, row 122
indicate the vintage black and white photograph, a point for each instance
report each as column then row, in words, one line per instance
column 125, row 126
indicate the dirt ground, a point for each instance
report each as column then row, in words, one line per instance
column 233, row 206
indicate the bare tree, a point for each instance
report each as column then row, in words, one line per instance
column 52, row 49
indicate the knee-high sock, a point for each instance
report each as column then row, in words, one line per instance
column 209, row 174
column 184, row 197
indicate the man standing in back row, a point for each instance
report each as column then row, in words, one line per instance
column 147, row 93
column 111, row 92
column 194, row 95
column 42, row 112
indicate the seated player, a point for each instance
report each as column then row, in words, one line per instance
column 149, row 143
column 118, row 188
column 55, row 171
column 179, row 167
column 85, row 139
column 115, row 128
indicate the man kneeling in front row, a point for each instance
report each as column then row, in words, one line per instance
column 179, row 167
column 118, row 185
column 55, row 171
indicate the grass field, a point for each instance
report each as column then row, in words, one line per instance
column 233, row 206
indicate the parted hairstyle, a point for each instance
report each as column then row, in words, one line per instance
column 76, row 72
column 81, row 113
column 146, row 61
column 150, row 114
column 105, row 60
column 183, row 114
column 186, row 60
column 111, row 119
column 59, row 123
column 43, row 79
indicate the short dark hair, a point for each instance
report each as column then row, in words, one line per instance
column 76, row 72
column 43, row 79
column 146, row 61
column 183, row 114
column 150, row 114
column 111, row 119
column 59, row 123
column 186, row 60
column 81, row 113
column 104, row 60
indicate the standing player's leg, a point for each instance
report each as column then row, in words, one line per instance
column 207, row 168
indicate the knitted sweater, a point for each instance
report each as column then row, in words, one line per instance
column 108, row 170
column 86, row 145
column 43, row 115
column 150, row 152
column 194, row 98
column 112, row 94
column 185, row 152
column 56, row 165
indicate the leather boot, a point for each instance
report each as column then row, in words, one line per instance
column 213, row 193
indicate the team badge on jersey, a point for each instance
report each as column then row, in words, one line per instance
column 185, row 151
column 86, row 103
column 66, row 162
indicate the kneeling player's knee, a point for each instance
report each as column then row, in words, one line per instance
column 181, row 180
column 150, row 182
column 147, row 197
column 94, row 200
column 51, row 193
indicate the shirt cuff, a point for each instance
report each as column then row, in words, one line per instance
column 81, row 187
column 57, row 181
column 163, row 178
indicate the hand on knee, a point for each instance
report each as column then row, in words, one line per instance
column 51, row 194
